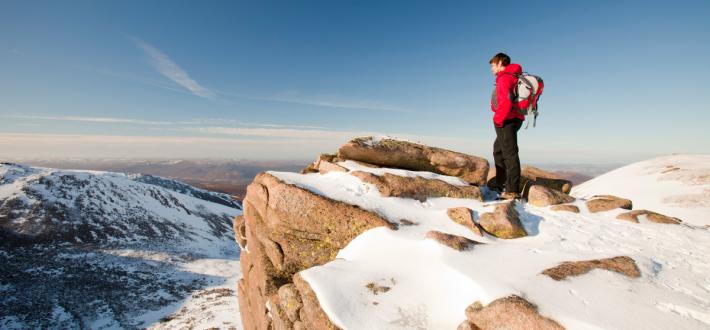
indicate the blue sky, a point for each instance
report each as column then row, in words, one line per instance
column 625, row 80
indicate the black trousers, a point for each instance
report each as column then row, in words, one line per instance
column 505, row 155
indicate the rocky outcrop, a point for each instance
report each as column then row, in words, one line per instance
column 565, row 208
column 650, row 216
column 601, row 203
column 455, row 242
column 544, row 196
column 390, row 185
column 311, row 314
column 533, row 176
column 324, row 164
column 541, row 177
column 503, row 222
column 417, row 157
column 240, row 235
column 510, row 313
column 622, row 265
column 284, row 230
column 464, row 216
column 314, row 167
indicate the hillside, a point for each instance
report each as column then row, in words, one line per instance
column 224, row 175
column 389, row 234
column 85, row 249
column 676, row 185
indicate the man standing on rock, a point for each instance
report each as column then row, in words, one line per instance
column 507, row 122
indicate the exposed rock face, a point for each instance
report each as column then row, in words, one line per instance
column 390, row 185
column 413, row 156
column 455, row 242
column 602, row 203
column 565, row 207
column 288, row 229
column 464, row 216
column 622, row 265
column 544, row 178
column 532, row 176
column 650, row 215
column 328, row 162
column 503, row 222
column 510, row 313
column 240, row 235
column 311, row 315
column 544, row 196
column 314, row 167
column 326, row 166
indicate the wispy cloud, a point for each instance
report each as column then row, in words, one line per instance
column 222, row 121
column 132, row 77
column 280, row 132
column 192, row 122
column 91, row 119
column 321, row 100
column 172, row 71
column 334, row 101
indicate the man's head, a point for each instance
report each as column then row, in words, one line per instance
column 499, row 62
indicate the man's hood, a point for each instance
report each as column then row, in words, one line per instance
column 512, row 68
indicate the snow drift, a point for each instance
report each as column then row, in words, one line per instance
column 676, row 185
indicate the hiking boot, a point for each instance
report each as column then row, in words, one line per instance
column 494, row 187
column 510, row 195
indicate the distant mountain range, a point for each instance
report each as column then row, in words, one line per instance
column 226, row 176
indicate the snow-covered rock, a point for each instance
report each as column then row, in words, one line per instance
column 107, row 250
column 397, row 278
column 414, row 156
column 676, row 186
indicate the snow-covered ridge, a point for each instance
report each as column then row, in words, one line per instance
column 430, row 285
column 676, row 185
column 102, row 207
column 185, row 189
column 106, row 250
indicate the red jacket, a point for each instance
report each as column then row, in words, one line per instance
column 502, row 98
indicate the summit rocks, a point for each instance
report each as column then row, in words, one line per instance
column 412, row 156
column 286, row 229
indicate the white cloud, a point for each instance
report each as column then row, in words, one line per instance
column 200, row 121
column 322, row 100
column 335, row 101
column 280, row 132
column 222, row 121
column 91, row 119
column 172, row 71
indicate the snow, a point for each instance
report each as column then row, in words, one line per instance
column 118, row 193
column 355, row 166
column 676, row 185
column 376, row 139
column 215, row 306
column 431, row 285
column 207, row 255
